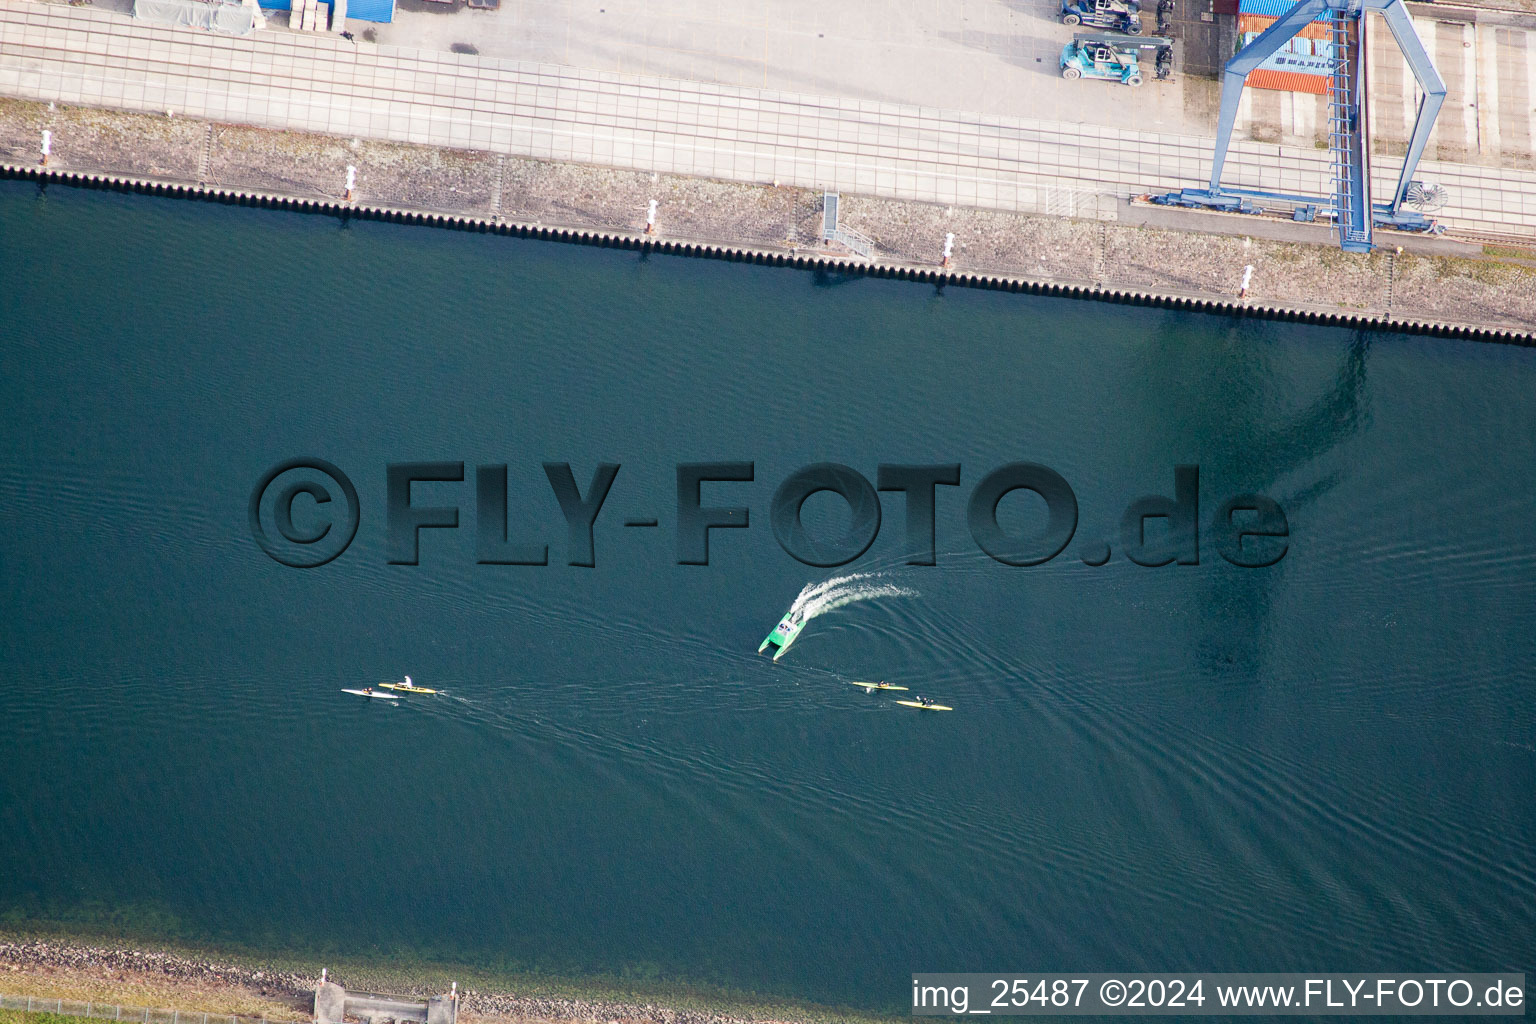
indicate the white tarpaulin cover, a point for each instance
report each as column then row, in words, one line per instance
column 234, row 18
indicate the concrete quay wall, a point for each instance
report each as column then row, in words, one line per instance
column 1492, row 298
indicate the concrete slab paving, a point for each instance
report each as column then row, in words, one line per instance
column 987, row 56
column 323, row 84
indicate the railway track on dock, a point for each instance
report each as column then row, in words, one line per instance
column 1526, row 244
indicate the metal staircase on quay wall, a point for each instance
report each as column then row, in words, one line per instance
column 832, row 231
column 1347, row 140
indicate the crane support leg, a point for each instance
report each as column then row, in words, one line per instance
column 1395, row 13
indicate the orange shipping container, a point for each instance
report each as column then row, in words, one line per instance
column 1287, row 81
column 1309, row 47
column 1247, row 23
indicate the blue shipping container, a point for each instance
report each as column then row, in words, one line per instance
column 362, row 10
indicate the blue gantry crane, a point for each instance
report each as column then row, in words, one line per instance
column 1348, row 136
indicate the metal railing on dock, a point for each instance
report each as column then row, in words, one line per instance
column 116, row 1011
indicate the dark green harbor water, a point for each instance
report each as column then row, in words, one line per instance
column 1323, row 765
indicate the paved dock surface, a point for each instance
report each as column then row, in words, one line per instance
column 322, row 83
column 990, row 57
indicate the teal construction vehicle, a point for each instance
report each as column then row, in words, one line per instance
column 1115, row 15
column 1114, row 58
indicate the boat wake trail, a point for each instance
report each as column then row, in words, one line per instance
column 819, row 598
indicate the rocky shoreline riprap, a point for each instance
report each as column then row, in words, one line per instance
column 69, row 956
column 55, row 956
column 97, row 958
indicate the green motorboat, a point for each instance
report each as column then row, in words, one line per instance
column 782, row 636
